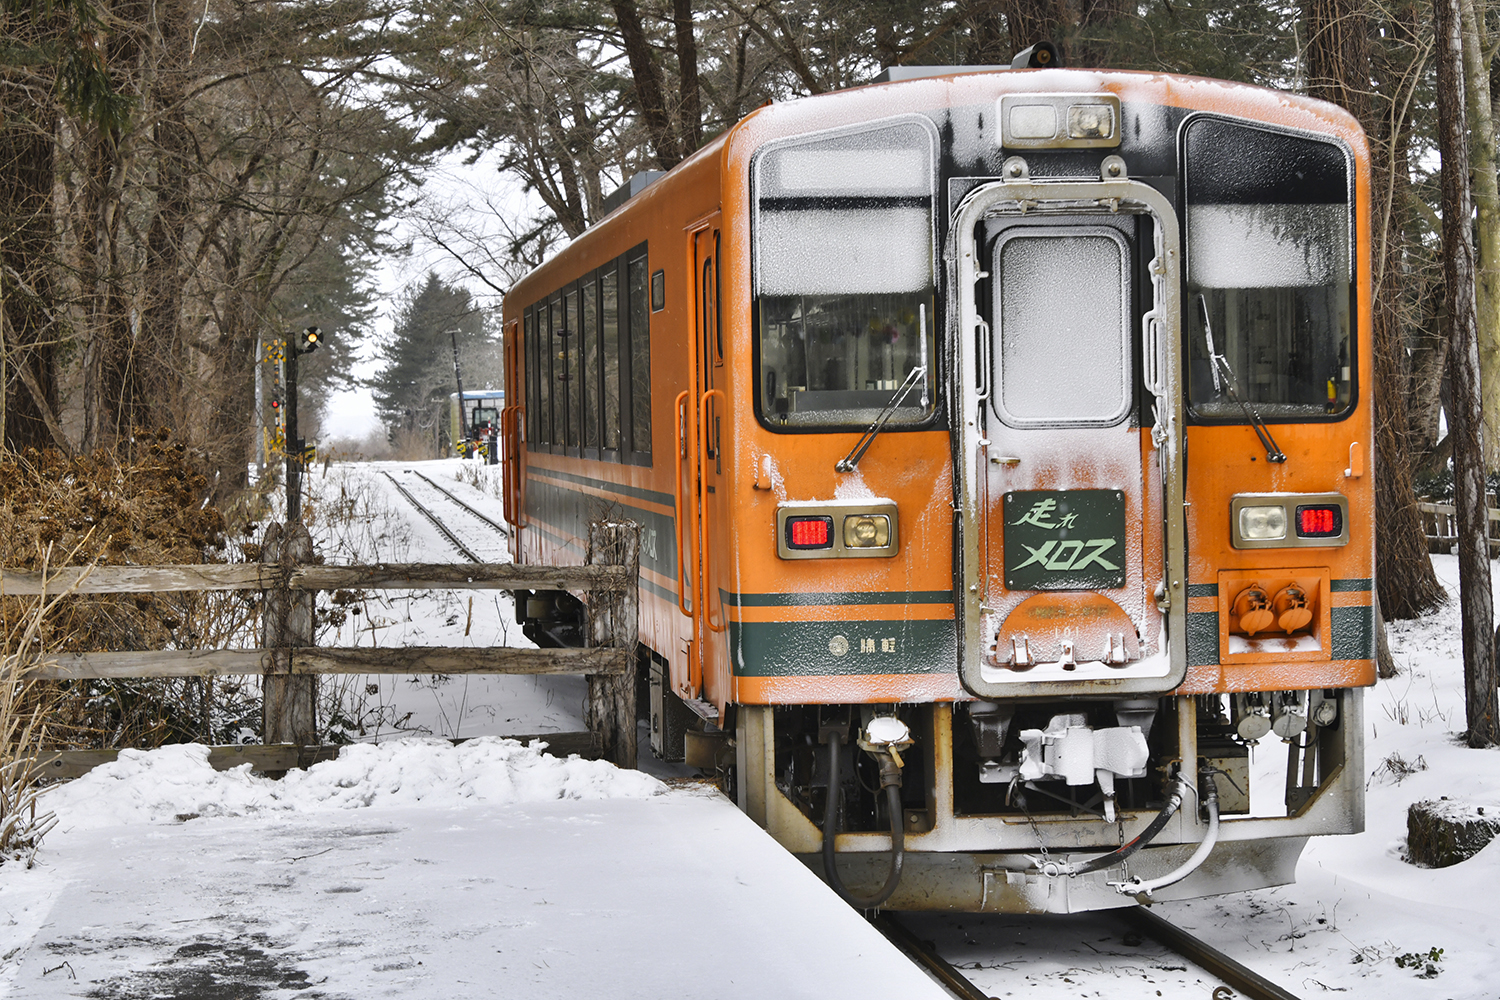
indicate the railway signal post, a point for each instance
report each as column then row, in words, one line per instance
column 305, row 343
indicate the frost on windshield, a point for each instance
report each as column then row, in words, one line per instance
column 844, row 274
column 1269, row 249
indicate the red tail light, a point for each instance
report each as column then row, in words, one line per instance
column 1320, row 521
column 809, row 532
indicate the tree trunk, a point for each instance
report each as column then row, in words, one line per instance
column 1338, row 61
column 650, row 94
column 1487, row 223
column 1467, row 412
column 690, row 108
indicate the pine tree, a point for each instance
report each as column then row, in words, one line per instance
column 411, row 391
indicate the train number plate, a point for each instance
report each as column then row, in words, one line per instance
column 1064, row 539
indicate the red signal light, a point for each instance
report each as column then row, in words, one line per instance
column 809, row 532
column 1320, row 521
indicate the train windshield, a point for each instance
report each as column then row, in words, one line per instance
column 844, row 275
column 1269, row 274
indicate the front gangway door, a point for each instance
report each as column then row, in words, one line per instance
column 1067, row 439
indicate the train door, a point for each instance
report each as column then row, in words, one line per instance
column 700, row 469
column 510, row 428
column 1069, row 438
column 713, row 505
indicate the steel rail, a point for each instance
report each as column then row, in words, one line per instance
column 442, row 528
column 1244, row 981
column 927, row 957
column 1239, row 980
column 444, row 491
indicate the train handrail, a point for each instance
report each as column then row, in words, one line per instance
column 708, row 604
column 680, row 499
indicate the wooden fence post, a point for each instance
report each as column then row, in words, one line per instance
column 288, row 701
column 614, row 620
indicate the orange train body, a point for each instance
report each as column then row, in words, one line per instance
column 1070, row 501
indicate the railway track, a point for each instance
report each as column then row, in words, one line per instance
column 449, row 494
column 437, row 521
column 1238, row 980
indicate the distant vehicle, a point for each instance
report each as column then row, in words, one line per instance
column 474, row 428
column 1002, row 446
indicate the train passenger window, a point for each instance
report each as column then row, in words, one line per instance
column 1269, row 272
column 590, row 392
column 573, row 388
column 609, row 294
column 640, row 357
column 545, row 325
column 531, row 361
column 844, row 275
column 1061, row 360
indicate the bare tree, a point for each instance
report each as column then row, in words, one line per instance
column 1467, row 412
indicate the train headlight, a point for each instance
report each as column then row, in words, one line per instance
column 1263, row 524
column 866, row 531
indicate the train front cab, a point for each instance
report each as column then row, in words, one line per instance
column 1113, row 538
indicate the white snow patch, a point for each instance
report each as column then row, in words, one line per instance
column 160, row 786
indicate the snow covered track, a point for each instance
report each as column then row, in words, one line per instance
column 496, row 525
column 434, row 520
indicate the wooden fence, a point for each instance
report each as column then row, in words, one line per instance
column 1440, row 521
column 289, row 662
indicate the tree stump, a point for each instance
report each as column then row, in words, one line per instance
column 1443, row 832
column 614, row 620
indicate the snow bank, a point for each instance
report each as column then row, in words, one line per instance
column 176, row 782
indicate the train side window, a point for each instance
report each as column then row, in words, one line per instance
column 571, row 375
column 609, row 294
column 1269, row 272
column 658, row 291
column 591, row 394
column 558, row 360
column 640, row 356
column 529, row 346
column 545, row 374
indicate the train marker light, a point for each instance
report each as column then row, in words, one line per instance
column 864, row 531
column 1288, row 520
column 837, row 529
column 1320, row 521
column 1262, row 524
column 809, row 533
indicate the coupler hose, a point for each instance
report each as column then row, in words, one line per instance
column 1140, row 840
column 890, row 783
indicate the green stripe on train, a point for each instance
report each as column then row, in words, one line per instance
column 821, row 649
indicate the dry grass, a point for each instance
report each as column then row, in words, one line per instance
column 145, row 503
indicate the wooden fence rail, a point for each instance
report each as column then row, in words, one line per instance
column 289, row 662
column 1440, row 521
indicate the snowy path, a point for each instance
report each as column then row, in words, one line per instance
column 517, row 876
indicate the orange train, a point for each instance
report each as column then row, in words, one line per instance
column 1000, row 442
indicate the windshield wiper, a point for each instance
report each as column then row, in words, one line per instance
column 1216, row 363
column 849, row 461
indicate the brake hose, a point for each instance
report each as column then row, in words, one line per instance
column 890, row 782
column 1140, row 840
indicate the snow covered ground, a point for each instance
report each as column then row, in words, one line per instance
column 417, row 869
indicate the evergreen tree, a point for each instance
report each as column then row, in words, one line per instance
column 411, row 390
